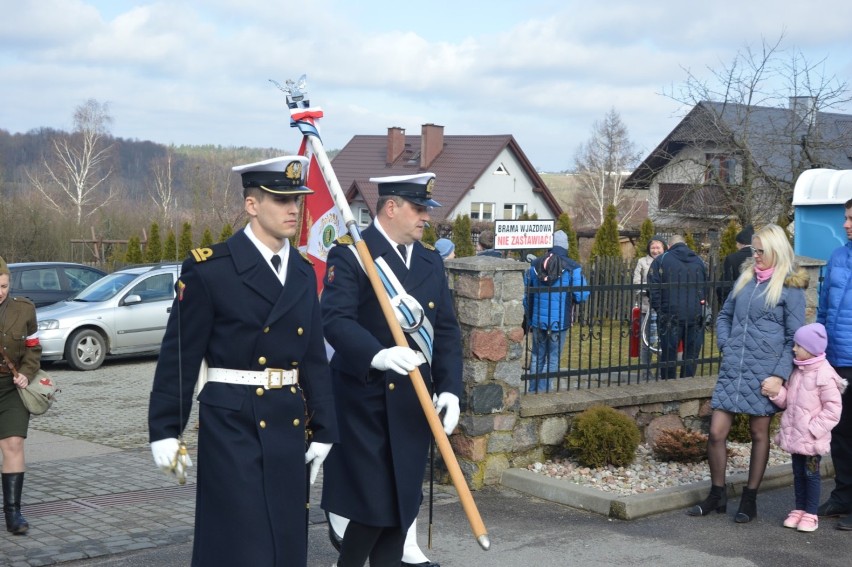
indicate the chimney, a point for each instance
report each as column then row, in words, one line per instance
column 431, row 144
column 805, row 108
column 396, row 143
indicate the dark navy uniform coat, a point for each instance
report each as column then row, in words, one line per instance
column 375, row 474
column 252, row 481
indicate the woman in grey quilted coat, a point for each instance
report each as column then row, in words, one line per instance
column 754, row 331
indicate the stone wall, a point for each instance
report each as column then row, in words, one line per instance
column 500, row 427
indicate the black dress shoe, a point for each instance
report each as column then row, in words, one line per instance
column 424, row 564
column 845, row 524
column 832, row 509
column 336, row 540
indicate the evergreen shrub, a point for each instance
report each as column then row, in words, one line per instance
column 602, row 436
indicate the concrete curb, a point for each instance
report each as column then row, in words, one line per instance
column 639, row 505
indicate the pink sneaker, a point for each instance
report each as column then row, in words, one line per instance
column 793, row 519
column 808, row 523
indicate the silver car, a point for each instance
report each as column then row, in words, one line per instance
column 122, row 313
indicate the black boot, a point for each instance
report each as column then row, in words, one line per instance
column 717, row 500
column 748, row 506
column 13, row 484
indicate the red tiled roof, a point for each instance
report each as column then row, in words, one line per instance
column 457, row 167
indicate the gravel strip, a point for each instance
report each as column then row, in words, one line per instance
column 647, row 474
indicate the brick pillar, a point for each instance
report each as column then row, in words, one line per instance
column 488, row 296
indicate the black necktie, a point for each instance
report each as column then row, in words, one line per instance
column 276, row 263
column 403, row 251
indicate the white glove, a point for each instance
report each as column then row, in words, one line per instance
column 316, row 454
column 450, row 403
column 401, row 360
column 165, row 452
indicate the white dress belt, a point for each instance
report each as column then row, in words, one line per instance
column 271, row 378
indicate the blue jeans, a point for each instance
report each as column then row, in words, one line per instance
column 546, row 353
column 806, row 482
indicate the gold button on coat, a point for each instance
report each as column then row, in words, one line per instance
column 431, row 305
column 266, row 329
column 295, row 363
column 300, row 331
column 259, row 391
column 262, row 424
column 292, row 389
column 296, row 423
column 261, row 360
column 391, row 386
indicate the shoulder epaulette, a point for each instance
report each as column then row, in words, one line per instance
column 218, row 250
column 305, row 258
column 23, row 300
column 427, row 246
column 345, row 240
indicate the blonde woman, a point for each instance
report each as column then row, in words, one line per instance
column 754, row 331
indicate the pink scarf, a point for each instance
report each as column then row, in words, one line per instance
column 813, row 360
column 763, row 275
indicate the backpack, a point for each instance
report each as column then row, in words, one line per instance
column 549, row 268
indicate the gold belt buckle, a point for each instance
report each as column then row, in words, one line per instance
column 274, row 378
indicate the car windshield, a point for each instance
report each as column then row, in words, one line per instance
column 106, row 287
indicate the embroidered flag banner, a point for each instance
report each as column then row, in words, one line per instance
column 322, row 222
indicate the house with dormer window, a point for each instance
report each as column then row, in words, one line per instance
column 726, row 160
column 487, row 177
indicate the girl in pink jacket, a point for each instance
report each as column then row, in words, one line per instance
column 812, row 400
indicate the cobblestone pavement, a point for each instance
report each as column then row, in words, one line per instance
column 91, row 505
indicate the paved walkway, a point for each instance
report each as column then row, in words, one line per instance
column 93, row 497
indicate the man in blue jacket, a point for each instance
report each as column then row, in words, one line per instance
column 676, row 282
column 548, row 306
column 835, row 312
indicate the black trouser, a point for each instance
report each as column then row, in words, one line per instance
column 841, row 446
column 383, row 546
column 672, row 331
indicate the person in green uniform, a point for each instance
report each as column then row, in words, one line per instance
column 19, row 341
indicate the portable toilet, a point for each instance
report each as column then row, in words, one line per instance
column 818, row 200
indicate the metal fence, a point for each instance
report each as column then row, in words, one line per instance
column 602, row 346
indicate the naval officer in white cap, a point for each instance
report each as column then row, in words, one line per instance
column 374, row 476
column 249, row 308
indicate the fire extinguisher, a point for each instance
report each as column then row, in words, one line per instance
column 635, row 318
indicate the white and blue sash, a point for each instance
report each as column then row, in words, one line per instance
column 410, row 314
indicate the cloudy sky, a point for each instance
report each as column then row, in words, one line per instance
column 196, row 71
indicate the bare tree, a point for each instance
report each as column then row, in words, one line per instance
column 602, row 164
column 216, row 193
column 163, row 190
column 78, row 170
column 756, row 125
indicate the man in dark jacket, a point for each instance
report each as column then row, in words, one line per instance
column 375, row 475
column 732, row 265
column 485, row 245
column 676, row 281
column 249, row 308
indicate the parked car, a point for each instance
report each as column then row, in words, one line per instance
column 123, row 313
column 44, row 283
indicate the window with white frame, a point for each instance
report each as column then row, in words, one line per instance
column 512, row 211
column 364, row 216
column 482, row 211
